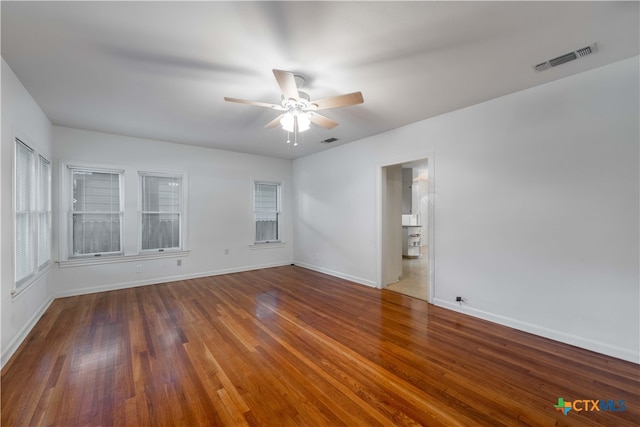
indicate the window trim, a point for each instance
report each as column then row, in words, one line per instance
column 263, row 243
column 181, row 212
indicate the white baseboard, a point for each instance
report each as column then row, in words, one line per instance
column 571, row 339
column 22, row 334
column 349, row 277
column 158, row 280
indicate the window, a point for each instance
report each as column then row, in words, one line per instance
column 24, row 198
column 160, row 211
column 104, row 226
column 96, row 212
column 266, row 202
column 32, row 194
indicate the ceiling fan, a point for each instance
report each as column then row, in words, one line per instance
column 298, row 110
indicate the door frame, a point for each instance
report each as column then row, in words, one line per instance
column 430, row 158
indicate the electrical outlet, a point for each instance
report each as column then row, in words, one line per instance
column 138, row 269
column 179, row 263
column 226, row 251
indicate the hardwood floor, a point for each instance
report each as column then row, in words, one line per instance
column 288, row 346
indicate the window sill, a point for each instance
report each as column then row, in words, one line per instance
column 120, row 258
column 267, row 245
column 28, row 282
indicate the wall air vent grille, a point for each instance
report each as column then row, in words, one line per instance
column 567, row 57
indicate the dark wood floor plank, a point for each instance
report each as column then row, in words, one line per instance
column 289, row 346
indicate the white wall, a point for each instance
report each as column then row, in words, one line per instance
column 219, row 209
column 536, row 208
column 21, row 117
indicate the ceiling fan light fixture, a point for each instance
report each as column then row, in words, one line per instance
column 303, row 121
column 287, row 122
column 295, row 121
column 298, row 109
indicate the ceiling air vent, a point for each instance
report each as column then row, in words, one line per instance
column 328, row 140
column 567, row 57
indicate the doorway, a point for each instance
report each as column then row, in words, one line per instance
column 406, row 232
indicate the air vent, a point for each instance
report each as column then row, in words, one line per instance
column 328, row 140
column 563, row 59
column 586, row 50
column 567, row 57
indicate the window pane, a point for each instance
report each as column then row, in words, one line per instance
column 44, row 237
column 160, row 194
column 24, row 226
column 160, row 231
column 44, row 211
column 24, row 245
column 266, row 212
column 96, row 233
column 24, row 159
column 266, row 227
column 266, row 197
column 96, row 192
column 161, row 209
column 97, row 216
column 44, row 195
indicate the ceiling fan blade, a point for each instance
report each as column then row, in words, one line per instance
column 255, row 103
column 321, row 120
column 338, row 101
column 275, row 122
column 287, row 84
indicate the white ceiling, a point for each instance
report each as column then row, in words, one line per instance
column 160, row 70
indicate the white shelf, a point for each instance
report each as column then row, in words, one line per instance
column 411, row 241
